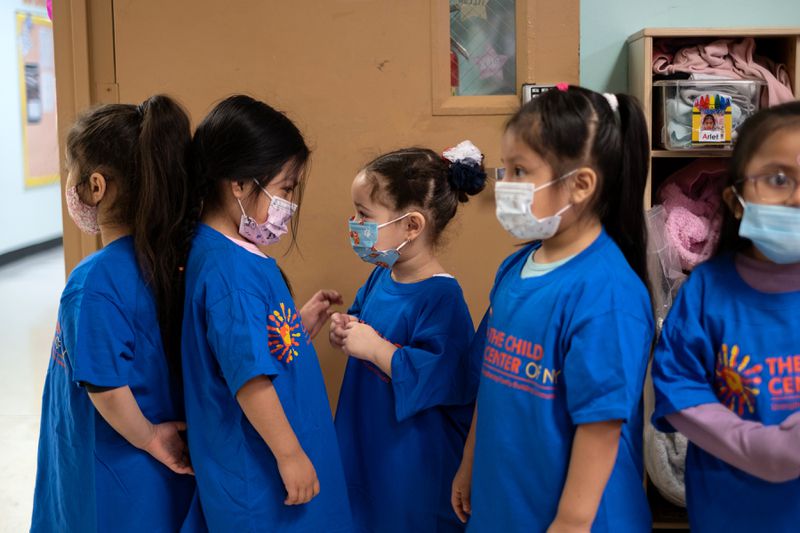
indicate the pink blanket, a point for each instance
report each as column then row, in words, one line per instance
column 691, row 198
column 728, row 58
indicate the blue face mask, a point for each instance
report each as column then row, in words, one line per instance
column 364, row 235
column 774, row 230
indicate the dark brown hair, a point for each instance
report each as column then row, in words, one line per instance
column 752, row 135
column 577, row 127
column 143, row 151
column 419, row 177
column 244, row 139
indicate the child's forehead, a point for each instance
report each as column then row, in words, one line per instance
column 362, row 189
column 515, row 150
column 366, row 192
column 362, row 185
column 777, row 152
column 783, row 144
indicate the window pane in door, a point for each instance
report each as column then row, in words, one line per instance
column 483, row 59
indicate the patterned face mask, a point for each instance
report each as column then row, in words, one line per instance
column 278, row 216
column 364, row 235
column 84, row 215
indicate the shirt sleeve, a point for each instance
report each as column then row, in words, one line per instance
column 683, row 360
column 238, row 335
column 476, row 349
column 100, row 340
column 605, row 365
column 434, row 368
column 768, row 452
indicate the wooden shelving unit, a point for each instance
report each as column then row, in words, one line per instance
column 779, row 44
column 693, row 154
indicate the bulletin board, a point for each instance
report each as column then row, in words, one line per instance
column 37, row 90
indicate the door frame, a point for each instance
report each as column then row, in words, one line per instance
column 83, row 34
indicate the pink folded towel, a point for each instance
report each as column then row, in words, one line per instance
column 691, row 198
column 728, row 58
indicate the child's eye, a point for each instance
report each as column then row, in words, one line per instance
column 519, row 172
column 778, row 180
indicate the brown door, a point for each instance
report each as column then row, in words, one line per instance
column 357, row 77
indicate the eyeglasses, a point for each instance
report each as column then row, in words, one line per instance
column 774, row 188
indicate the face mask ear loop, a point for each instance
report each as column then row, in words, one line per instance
column 546, row 185
column 265, row 191
column 549, row 183
column 393, row 221
column 739, row 197
column 563, row 210
column 241, row 207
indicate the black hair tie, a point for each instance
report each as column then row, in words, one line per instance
column 467, row 175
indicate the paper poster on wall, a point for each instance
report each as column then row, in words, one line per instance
column 37, row 86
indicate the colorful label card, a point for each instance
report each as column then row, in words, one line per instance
column 711, row 120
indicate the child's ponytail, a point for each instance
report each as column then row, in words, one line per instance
column 143, row 150
column 573, row 126
column 623, row 195
column 158, row 210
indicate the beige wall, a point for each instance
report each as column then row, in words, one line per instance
column 355, row 75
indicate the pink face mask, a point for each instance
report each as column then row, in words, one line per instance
column 84, row 215
column 278, row 216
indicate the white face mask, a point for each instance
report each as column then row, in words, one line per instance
column 514, row 202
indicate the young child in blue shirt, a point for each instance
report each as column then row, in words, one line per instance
column 407, row 395
column 111, row 457
column 726, row 369
column 260, row 430
column 556, row 440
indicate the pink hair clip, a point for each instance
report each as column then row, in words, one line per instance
column 562, row 86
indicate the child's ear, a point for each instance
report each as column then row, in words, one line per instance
column 582, row 185
column 237, row 188
column 733, row 203
column 415, row 225
column 97, row 187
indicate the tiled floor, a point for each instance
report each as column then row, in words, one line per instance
column 29, row 292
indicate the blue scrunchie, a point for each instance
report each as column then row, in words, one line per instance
column 467, row 176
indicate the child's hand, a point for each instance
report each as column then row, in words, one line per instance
column 316, row 311
column 168, row 448
column 461, row 491
column 338, row 323
column 363, row 342
column 299, row 478
column 360, row 340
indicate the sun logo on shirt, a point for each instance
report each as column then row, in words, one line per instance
column 284, row 333
column 736, row 383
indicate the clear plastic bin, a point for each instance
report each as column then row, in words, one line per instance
column 703, row 114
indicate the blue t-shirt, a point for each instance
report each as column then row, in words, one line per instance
column 240, row 322
column 89, row 478
column 402, row 438
column 560, row 350
column 726, row 342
